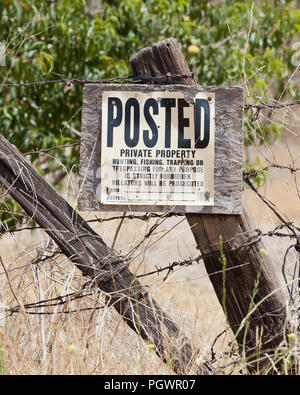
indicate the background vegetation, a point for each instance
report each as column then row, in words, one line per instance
column 225, row 42
column 72, row 39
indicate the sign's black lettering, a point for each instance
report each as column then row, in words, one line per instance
column 182, row 123
column 111, row 121
column 202, row 143
column 150, row 103
column 134, row 104
column 132, row 122
column 168, row 104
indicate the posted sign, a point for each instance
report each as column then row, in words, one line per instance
column 161, row 148
column 157, row 148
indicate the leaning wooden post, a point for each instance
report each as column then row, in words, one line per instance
column 86, row 249
column 245, row 263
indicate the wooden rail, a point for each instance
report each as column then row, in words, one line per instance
column 86, row 249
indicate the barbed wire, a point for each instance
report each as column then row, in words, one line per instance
column 60, row 300
column 66, row 81
column 254, row 173
column 165, row 79
column 292, row 230
column 54, row 148
column 273, row 106
column 258, row 234
column 168, row 78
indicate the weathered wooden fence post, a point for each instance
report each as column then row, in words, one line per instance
column 245, row 262
column 86, row 249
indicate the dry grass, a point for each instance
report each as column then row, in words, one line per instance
column 97, row 341
column 39, row 344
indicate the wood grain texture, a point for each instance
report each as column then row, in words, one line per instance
column 228, row 148
column 87, row 250
column 245, row 264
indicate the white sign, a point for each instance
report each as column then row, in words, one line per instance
column 157, row 148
